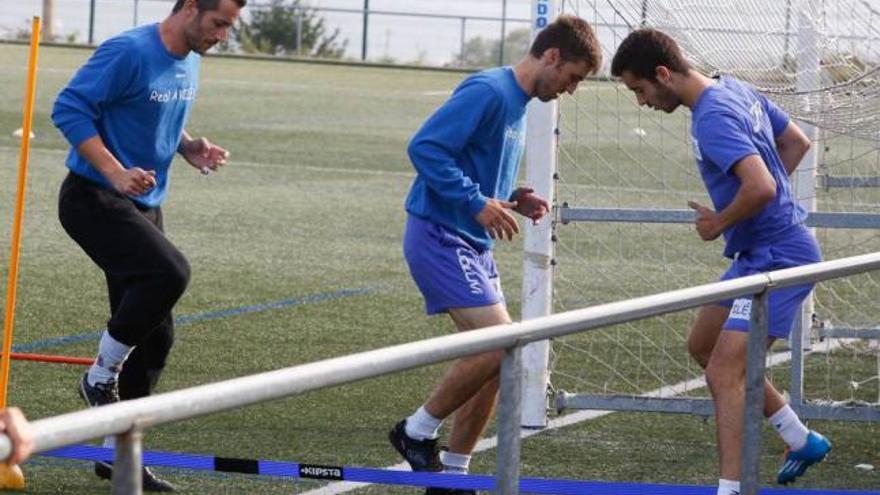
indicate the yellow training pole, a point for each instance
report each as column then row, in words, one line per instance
column 11, row 476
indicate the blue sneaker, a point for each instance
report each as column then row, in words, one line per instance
column 797, row 461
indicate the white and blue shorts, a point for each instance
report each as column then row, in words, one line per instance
column 449, row 272
column 798, row 248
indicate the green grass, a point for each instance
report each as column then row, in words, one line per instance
column 310, row 203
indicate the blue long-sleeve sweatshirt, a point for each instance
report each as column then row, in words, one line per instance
column 137, row 97
column 469, row 151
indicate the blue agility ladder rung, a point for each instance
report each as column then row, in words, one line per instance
column 392, row 477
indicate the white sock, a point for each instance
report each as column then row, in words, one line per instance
column 728, row 487
column 455, row 463
column 111, row 355
column 421, row 425
column 790, row 428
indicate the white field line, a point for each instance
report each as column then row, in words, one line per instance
column 278, row 85
column 312, row 168
column 568, row 420
column 234, row 163
column 392, row 173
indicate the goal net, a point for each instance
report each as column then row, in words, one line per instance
column 624, row 175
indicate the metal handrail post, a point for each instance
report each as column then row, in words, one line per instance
column 127, row 464
column 509, row 414
column 796, row 341
column 754, row 396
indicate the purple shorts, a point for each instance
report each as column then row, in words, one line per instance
column 449, row 272
column 799, row 248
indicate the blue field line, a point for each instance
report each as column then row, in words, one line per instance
column 210, row 315
column 408, row 478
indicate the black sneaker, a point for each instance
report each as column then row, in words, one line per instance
column 100, row 394
column 422, row 455
column 449, row 491
column 151, row 482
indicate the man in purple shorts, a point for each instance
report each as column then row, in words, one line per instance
column 467, row 156
column 746, row 147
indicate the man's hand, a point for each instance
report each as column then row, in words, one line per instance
column 204, row 155
column 708, row 223
column 497, row 220
column 14, row 425
column 529, row 204
column 133, row 181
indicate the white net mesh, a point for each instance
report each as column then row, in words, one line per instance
column 612, row 154
column 769, row 44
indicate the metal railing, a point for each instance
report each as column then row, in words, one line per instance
column 461, row 19
column 128, row 419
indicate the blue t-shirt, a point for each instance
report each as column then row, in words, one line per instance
column 469, row 151
column 732, row 120
column 137, row 96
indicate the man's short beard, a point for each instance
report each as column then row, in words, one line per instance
column 192, row 42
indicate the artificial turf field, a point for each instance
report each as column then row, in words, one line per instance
column 308, row 214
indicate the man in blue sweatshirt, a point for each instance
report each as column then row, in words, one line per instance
column 467, row 156
column 124, row 114
column 745, row 147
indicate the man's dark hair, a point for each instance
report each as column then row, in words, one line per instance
column 574, row 38
column 644, row 50
column 204, row 5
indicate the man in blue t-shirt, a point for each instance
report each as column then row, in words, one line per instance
column 746, row 147
column 466, row 156
column 124, row 114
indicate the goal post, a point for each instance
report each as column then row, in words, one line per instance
column 537, row 286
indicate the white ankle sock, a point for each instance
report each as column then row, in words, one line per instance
column 421, row 425
column 790, row 428
column 111, row 355
column 728, row 487
column 455, row 463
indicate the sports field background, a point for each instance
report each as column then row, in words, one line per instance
column 308, row 214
